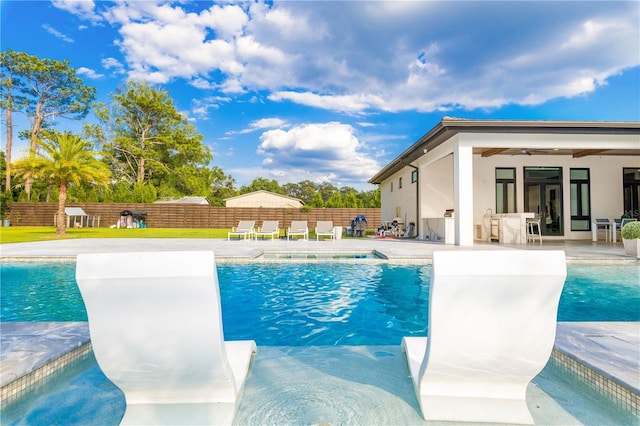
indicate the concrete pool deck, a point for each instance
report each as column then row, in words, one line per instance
column 400, row 250
column 349, row 385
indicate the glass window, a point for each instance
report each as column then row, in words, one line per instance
column 542, row 173
column 580, row 200
column 414, row 176
column 391, row 183
column 400, row 183
column 505, row 190
column 509, row 174
column 631, row 190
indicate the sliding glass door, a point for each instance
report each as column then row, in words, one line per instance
column 543, row 196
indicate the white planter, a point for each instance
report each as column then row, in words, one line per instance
column 632, row 247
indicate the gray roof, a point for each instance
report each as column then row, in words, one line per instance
column 74, row 211
column 450, row 126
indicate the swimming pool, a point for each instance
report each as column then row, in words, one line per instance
column 306, row 304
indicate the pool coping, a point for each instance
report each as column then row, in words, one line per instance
column 58, row 345
column 31, row 352
column 604, row 355
column 396, row 251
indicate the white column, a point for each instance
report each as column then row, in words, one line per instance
column 463, row 194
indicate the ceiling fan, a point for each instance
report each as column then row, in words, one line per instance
column 530, row 151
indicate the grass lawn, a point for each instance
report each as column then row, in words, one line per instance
column 24, row 234
column 27, row 234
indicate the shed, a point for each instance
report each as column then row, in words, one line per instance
column 76, row 217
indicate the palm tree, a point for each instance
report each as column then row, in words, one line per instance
column 63, row 159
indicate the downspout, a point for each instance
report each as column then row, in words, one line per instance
column 417, row 199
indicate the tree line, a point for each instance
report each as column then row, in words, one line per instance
column 141, row 149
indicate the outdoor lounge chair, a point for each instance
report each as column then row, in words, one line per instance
column 602, row 224
column 298, row 227
column 324, row 228
column 492, row 324
column 269, row 228
column 244, row 229
column 155, row 323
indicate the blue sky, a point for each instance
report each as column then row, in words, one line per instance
column 334, row 90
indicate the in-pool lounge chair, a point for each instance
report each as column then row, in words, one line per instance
column 156, row 330
column 324, row 228
column 269, row 228
column 245, row 229
column 492, row 324
column 298, row 227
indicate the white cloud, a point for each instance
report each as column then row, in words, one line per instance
column 343, row 103
column 162, row 42
column 366, row 56
column 48, row 28
column 263, row 123
column 113, row 65
column 89, row 73
column 201, row 107
column 228, row 21
column 365, row 124
column 82, row 8
column 319, row 152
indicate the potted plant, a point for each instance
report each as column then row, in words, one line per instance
column 631, row 239
column 5, row 206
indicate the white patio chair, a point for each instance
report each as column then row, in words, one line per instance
column 298, row 227
column 492, row 324
column 269, row 228
column 602, row 224
column 533, row 229
column 245, row 229
column 155, row 322
column 324, row 228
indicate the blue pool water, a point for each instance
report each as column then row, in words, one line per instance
column 304, row 304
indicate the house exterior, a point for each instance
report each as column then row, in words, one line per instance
column 186, row 200
column 491, row 176
column 263, row 199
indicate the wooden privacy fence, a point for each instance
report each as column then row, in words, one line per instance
column 191, row 216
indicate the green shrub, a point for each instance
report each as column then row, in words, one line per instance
column 631, row 231
column 5, row 203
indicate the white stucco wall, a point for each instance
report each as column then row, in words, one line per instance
column 605, row 179
column 436, row 186
column 401, row 202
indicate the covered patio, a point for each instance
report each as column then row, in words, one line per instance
column 497, row 174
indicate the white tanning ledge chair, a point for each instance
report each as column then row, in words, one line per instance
column 492, row 324
column 156, row 329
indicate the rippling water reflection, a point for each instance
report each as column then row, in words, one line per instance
column 293, row 304
column 324, row 304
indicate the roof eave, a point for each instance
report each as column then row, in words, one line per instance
column 448, row 127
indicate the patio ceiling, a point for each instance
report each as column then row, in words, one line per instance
column 575, row 153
